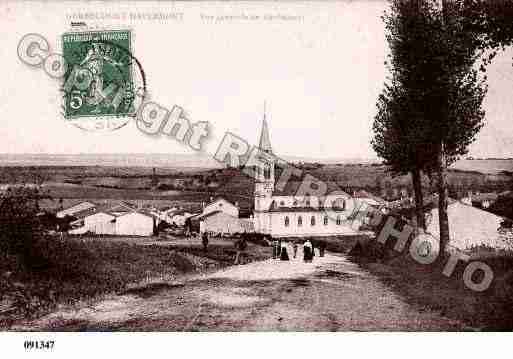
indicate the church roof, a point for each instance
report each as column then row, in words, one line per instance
column 308, row 209
column 292, row 186
column 265, row 141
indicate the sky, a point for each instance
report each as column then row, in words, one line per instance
column 319, row 73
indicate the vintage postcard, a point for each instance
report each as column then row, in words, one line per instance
column 338, row 166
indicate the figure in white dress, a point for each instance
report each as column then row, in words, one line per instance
column 94, row 62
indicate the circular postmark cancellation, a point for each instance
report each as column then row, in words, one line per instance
column 104, row 83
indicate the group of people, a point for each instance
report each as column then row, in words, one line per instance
column 281, row 250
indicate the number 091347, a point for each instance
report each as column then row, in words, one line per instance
column 39, row 344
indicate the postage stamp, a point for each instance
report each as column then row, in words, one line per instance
column 100, row 81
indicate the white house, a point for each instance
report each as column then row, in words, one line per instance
column 135, row 224
column 469, row 226
column 117, row 221
column 98, row 223
column 221, row 222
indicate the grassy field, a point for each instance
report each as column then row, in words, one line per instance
column 425, row 286
column 137, row 183
column 72, row 270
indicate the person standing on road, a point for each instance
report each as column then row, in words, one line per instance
column 204, row 241
column 322, row 248
column 294, row 248
column 275, row 249
column 307, row 251
column 240, row 247
column 284, row 256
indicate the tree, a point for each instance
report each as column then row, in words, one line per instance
column 20, row 227
column 393, row 141
column 430, row 111
column 399, row 120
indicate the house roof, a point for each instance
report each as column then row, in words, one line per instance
column 79, row 207
column 80, row 218
column 291, row 188
column 205, row 215
column 217, row 199
column 141, row 212
column 364, row 194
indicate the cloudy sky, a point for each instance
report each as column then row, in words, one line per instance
column 320, row 73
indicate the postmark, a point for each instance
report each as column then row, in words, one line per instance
column 104, row 83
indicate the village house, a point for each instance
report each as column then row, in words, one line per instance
column 116, row 220
column 470, row 226
column 221, row 217
column 222, row 205
column 218, row 222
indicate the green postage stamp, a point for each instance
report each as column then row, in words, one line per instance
column 99, row 81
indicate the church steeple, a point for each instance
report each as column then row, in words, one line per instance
column 265, row 141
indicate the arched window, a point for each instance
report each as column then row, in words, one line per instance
column 312, row 221
column 308, row 203
column 325, row 220
column 267, row 171
column 295, row 203
column 338, row 221
column 287, row 221
column 299, row 221
column 282, row 203
column 339, row 203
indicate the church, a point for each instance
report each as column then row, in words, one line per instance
column 284, row 215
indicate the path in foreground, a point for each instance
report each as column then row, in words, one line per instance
column 331, row 294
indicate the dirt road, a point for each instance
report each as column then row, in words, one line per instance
column 330, row 294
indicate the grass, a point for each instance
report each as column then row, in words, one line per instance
column 424, row 286
column 71, row 270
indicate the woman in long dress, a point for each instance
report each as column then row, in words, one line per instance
column 307, row 251
column 284, row 256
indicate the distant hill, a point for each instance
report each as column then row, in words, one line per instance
column 161, row 160
column 206, row 161
column 199, row 160
column 486, row 166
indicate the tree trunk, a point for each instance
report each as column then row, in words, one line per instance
column 443, row 219
column 419, row 198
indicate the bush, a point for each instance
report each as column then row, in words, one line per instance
column 20, row 226
column 69, row 270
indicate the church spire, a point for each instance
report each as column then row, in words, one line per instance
column 265, row 141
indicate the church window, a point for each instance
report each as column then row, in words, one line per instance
column 308, row 203
column 312, row 221
column 339, row 204
column 267, row 172
column 282, row 203
column 287, row 221
column 338, row 220
column 299, row 221
column 325, row 220
column 295, row 203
